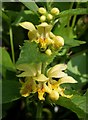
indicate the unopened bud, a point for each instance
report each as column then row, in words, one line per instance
column 42, row 10
column 48, row 52
column 54, row 95
column 49, row 17
column 58, row 41
column 55, row 11
column 42, row 18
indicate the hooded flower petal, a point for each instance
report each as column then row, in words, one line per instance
column 57, row 74
column 28, row 26
column 56, row 68
column 44, row 28
column 67, row 79
column 26, row 74
column 41, row 78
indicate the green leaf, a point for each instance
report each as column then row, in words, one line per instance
column 10, row 91
column 77, row 11
column 77, row 66
column 30, row 5
column 5, row 60
column 26, row 15
column 77, row 104
column 69, row 37
column 6, row 18
column 30, row 54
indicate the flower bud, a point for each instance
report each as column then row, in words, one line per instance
column 55, row 11
column 54, row 95
column 42, row 18
column 42, row 10
column 58, row 41
column 49, row 17
column 48, row 52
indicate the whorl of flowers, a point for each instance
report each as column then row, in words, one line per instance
column 35, row 81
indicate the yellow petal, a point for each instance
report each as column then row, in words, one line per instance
column 26, row 88
column 44, row 28
column 28, row 26
column 58, row 68
column 41, row 78
column 57, row 74
column 40, row 94
column 61, row 92
column 26, row 74
column 32, row 35
column 48, row 88
column 67, row 79
column 54, row 95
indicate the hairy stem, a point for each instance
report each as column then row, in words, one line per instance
column 11, row 43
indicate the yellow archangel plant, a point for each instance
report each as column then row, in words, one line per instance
column 35, row 81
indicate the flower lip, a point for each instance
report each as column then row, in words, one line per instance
column 41, row 78
column 28, row 26
column 67, row 79
column 58, row 67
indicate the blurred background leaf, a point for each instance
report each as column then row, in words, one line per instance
column 10, row 91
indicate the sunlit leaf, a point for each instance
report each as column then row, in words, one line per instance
column 77, row 66
column 30, row 54
column 69, row 37
column 77, row 11
column 30, row 5
column 77, row 104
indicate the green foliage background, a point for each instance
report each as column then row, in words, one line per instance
column 72, row 25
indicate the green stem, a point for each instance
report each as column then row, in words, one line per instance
column 48, row 112
column 74, row 18
column 44, row 67
column 39, row 111
column 11, row 43
column 71, row 6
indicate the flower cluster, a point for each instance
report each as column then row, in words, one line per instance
column 46, row 16
column 35, row 81
column 42, row 35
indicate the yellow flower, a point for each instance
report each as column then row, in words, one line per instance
column 42, row 35
column 35, row 81
column 32, row 72
column 27, row 87
column 53, row 88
